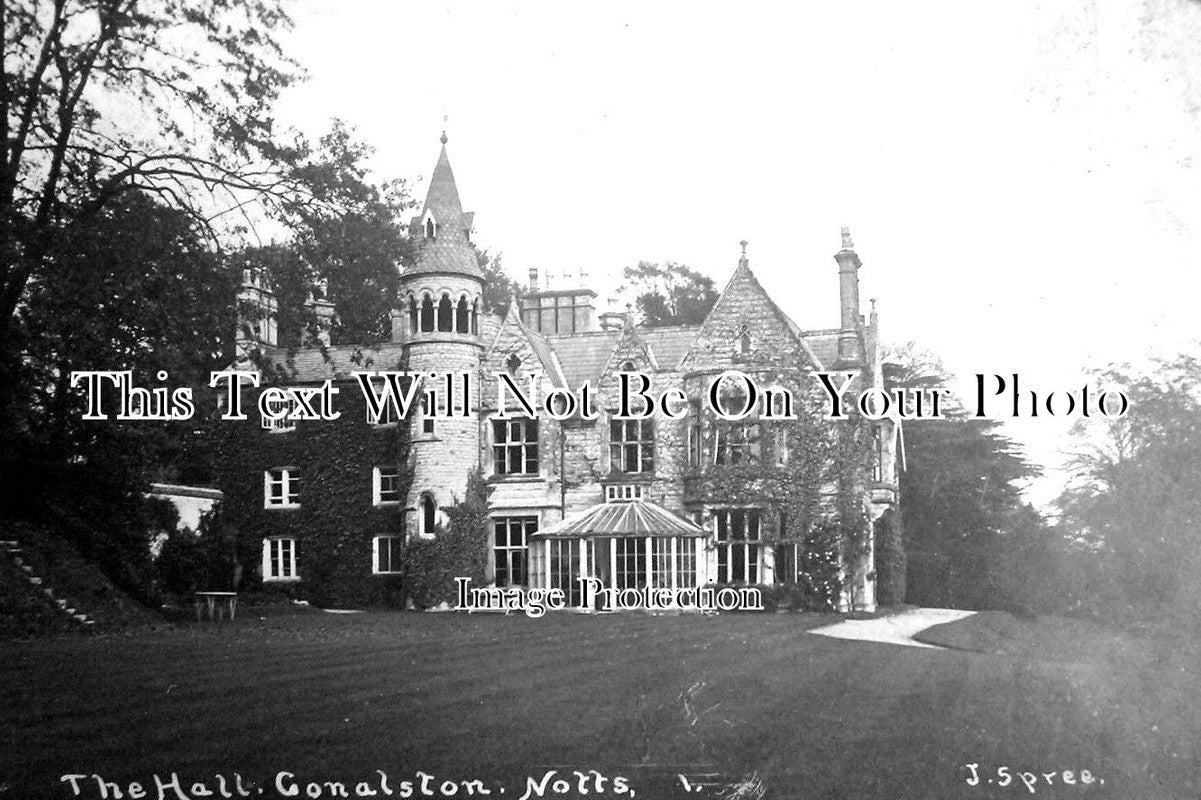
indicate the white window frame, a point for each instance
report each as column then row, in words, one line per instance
column 641, row 446
column 523, row 525
column 752, row 549
column 527, row 450
column 622, row 492
column 289, row 570
column 286, row 477
column 387, row 417
column 284, row 424
column 395, row 543
column 737, row 443
column 377, row 486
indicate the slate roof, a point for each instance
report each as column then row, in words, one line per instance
column 634, row 518
column 549, row 361
column 582, row 356
column 310, row 364
column 670, row 345
column 450, row 250
column 823, row 344
column 570, row 359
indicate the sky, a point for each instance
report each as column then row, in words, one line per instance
column 1020, row 178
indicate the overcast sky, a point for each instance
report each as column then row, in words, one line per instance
column 1020, row 178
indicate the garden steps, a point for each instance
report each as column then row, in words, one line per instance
column 35, row 582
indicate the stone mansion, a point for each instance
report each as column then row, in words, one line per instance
column 633, row 503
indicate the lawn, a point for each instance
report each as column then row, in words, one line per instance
column 501, row 699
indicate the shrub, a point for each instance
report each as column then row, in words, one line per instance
column 458, row 549
column 890, row 560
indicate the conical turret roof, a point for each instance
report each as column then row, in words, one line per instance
column 442, row 229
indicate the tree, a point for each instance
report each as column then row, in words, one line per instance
column 670, row 294
column 499, row 288
column 1133, row 503
column 348, row 241
column 74, row 72
column 969, row 536
column 136, row 288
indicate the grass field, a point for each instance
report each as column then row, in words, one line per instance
column 503, row 698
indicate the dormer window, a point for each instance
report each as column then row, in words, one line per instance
column 512, row 364
column 431, row 228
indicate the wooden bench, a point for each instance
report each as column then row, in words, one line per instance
column 215, row 604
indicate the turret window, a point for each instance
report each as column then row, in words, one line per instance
column 427, row 314
column 445, row 315
column 427, row 515
column 431, row 228
column 413, row 317
column 462, row 317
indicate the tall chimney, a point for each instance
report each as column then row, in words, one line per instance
column 848, row 281
column 848, row 297
column 533, row 279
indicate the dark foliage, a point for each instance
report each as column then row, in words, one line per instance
column 890, row 559
column 1132, row 510
column 499, row 288
column 460, row 548
column 968, row 533
column 670, row 294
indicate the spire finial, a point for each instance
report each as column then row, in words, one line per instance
column 742, row 260
column 445, row 119
column 847, row 244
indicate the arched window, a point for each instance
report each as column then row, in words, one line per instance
column 512, row 364
column 427, row 514
column 744, row 340
column 431, row 228
column 412, row 314
column 462, row 317
column 445, row 315
column 475, row 318
column 427, row 314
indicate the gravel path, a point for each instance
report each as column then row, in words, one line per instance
column 895, row 628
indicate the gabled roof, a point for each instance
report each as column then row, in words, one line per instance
column 537, row 342
column 744, row 277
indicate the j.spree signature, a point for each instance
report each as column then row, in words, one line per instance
column 1004, row 775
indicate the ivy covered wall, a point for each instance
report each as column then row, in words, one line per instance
column 336, row 522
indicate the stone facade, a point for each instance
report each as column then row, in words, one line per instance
column 541, row 471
